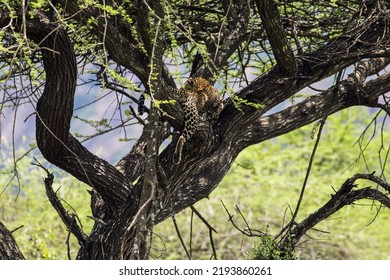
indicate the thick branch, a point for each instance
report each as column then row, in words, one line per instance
column 273, row 25
column 198, row 176
column 9, row 249
column 54, row 112
column 366, row 68
column 132, row 163
column 314, row 108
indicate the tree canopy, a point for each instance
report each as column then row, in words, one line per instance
column 265, row 57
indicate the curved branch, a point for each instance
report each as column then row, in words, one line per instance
column 366, row 68
column 54, row 112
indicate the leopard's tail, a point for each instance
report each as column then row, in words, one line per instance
column 178, row 149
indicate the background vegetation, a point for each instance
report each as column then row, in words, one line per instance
column 265, row 195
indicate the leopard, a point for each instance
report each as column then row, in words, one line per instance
column 197, row 97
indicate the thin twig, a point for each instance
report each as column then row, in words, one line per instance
column 210, row 228
column 288, row 227
column 243, row 218
column 251, row 231
column 19, row 227
column 191, row 230
column 321, row 123
column 180, row 237
column 203, row 219
column 67, row 242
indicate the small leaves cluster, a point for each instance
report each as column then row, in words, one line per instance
column 238, row 102
column 268, row 249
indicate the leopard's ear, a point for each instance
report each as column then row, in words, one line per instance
column 190, row 84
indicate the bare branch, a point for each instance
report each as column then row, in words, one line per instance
column 210, row 227
column 310, row 164
column 346, row 195
column 246, row 231
column 180, row 237
column 68, row 220
column 211, row 230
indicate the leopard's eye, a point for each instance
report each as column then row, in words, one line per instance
column 195, row 85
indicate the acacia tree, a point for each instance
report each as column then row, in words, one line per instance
column 258, row 53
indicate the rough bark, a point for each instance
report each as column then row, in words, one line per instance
column 284, row 55
column 9, row 249
column 54, row 112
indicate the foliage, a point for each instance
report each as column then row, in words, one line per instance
column 268, row 249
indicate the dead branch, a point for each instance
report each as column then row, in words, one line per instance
column 68, row 220
column 346, row 195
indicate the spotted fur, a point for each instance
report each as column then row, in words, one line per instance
column 197, row 97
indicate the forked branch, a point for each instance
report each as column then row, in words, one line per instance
column 346, row 195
